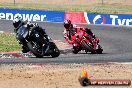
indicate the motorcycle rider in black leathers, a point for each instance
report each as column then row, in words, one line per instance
column 17, row 23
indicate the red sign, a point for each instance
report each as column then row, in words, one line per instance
column 75, row 17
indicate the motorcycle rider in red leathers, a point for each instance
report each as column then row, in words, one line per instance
column 70, row 29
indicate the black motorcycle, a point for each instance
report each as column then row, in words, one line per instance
column 35, row 42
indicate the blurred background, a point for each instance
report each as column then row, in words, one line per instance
column 97, row 6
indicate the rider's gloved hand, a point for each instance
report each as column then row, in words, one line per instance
column 35, row 24
column 29, row 24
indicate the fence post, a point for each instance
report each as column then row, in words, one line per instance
column 14, row 2
column 102, row 2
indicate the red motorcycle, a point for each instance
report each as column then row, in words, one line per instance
column 83, row 41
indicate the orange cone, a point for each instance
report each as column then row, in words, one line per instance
column 84, row 73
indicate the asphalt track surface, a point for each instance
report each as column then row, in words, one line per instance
column 116, row 42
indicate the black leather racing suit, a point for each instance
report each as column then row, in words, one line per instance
column 29, row 26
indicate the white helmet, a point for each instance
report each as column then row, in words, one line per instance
column 17, row 21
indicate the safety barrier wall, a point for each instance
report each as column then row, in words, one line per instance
column 60, row 16
column 32, row 15
column 91, row 18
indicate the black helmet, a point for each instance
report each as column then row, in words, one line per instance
column 67, row 24
column 16, row 22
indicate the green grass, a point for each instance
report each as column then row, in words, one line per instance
column 8, row 43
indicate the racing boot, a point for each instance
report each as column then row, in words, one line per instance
column 45, row 35
column 45, row 47
column 95, row 38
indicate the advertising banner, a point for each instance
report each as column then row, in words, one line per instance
column 113, row 19
column 91, row 18
column 59, row 16
column 32, row 15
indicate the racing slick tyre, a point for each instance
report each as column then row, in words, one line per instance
column 75, row 49
column 34, row 50
column 99, row 50
column 55, row 50
column 56, row 53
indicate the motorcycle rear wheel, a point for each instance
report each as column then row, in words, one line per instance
column 56, row 51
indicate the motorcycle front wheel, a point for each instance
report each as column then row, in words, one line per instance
column 76, row 49
column 32, row 47
column 88, row 47
column 99, row 50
